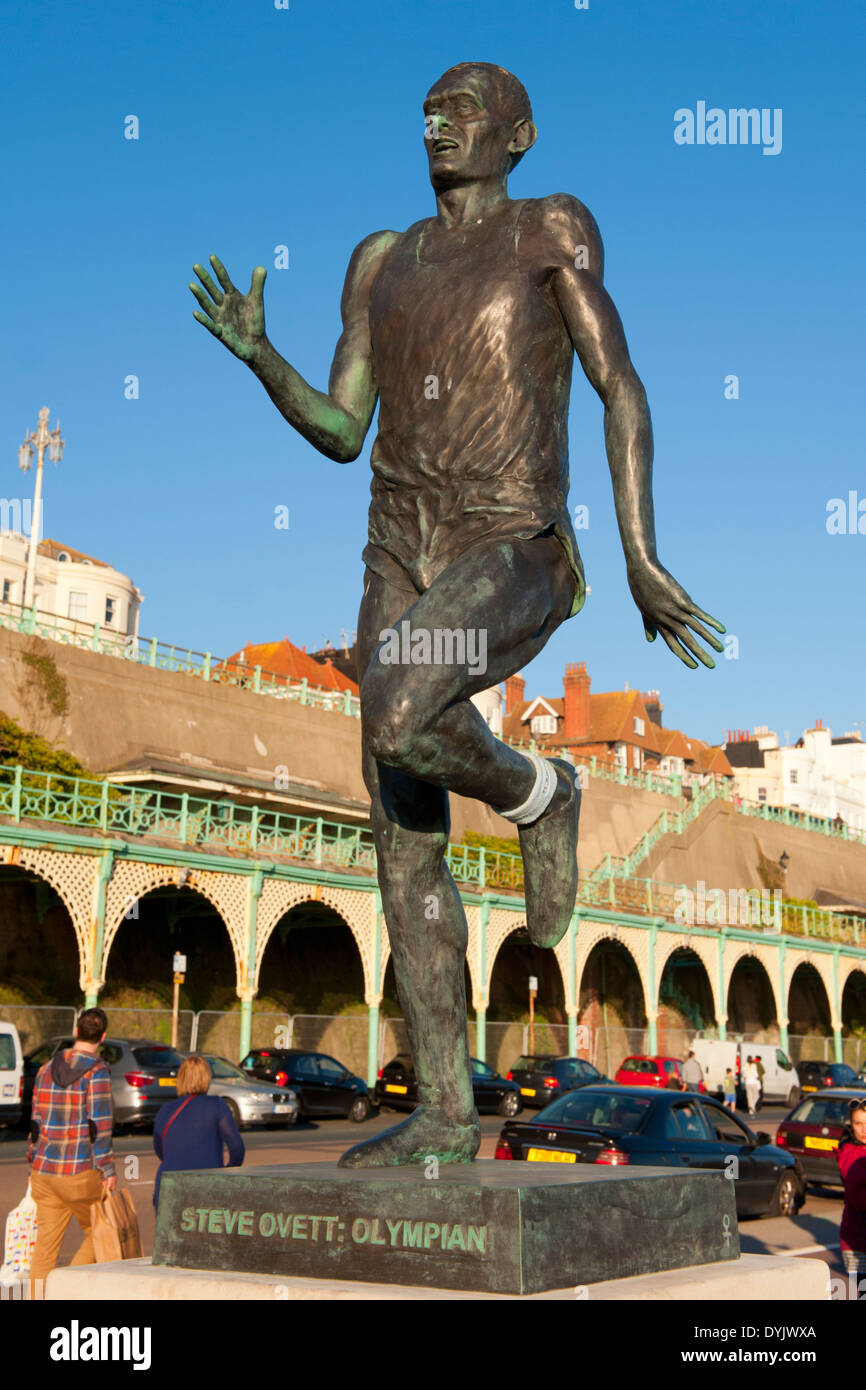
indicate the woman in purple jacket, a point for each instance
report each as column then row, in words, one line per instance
column 190, row 1132
column 851, row 1155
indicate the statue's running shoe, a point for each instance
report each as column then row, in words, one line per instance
column 428, row 1133
column 549, row 849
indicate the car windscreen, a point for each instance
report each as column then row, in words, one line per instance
column 220, row 1068
column 593, row 1108
column 157, row 1056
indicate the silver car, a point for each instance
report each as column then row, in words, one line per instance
column 251, row 1102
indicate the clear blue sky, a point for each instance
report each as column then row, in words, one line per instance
column 260, row 127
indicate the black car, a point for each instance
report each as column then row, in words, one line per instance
column 814, row 1076
column 540, row 1078
column 397, row 1088
column 676, row 1129
column 323, row 1085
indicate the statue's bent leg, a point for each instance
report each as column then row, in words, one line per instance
column 428, row 935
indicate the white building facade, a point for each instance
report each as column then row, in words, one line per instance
column 70, row 586
column 820, row 775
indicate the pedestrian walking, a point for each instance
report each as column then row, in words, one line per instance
column 753, row 1085
column 70, row 1143
column 190, row 1132
column 729, row 1086
column 762, row 1071
column 851, row 1157
column 693, row 1073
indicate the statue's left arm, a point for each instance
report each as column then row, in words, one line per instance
column 571, row 246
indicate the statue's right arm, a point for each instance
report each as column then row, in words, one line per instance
column 335, row 422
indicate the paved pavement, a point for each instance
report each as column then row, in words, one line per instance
column 813, row 1233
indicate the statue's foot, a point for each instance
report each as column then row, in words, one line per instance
column 549, row 849
column 428, row 1133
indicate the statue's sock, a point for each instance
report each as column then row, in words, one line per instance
column 541, row 795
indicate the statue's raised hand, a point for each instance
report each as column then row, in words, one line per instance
column 666, row 608
column 238, row 320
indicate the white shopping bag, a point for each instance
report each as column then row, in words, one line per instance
column 20, row 1236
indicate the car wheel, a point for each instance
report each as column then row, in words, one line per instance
column 793, row 1097
column 510, row 1105
column 359, row 1110
column 236, row 1114
column 786, row 1197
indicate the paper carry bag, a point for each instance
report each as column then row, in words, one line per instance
column 114, row 1227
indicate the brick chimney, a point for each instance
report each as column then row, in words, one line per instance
column 514, row 688
column 653, row 706
column 576, row 683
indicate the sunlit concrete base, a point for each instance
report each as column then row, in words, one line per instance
column 755, row 1277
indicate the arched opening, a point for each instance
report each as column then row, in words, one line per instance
column 809, row 1024
column 854, row 1019
column 508, row 1029
column 685, row 1002
column 612, row 1007
column 312, row 981
column 39, row 961
column 138, row 969
column 751, row 1006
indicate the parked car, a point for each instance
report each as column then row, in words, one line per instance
column 813, row 1129
column 814, row 1076
column 322, row 1085
column 652, row 1071
column 397, row 1087
column 251, row 1102
column 540, row 1078
column 617, row 1125
column 780, row 1082
column 143, row 1074
column 11, row 1075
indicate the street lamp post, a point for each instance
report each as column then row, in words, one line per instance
column 43, row 438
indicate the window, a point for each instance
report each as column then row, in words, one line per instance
column 481, row 1068
column 543, row 724
column 223, row 1070
column 7, row 590
column 762, row 793
column 110, row 610
column 691, row 1123
column 793, row 775
column 639, row 726
column 157, row 1056
column 636, row 757
column 782, row 1060
column 63, row 555
column 78, row 606
column 330, row 1070
column 306, row 1068
column 111, row 1053
column 729, row 1130
column 587, row 1107
column 7, row 1052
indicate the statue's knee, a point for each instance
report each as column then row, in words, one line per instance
column 390, row 732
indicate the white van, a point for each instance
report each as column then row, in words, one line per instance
column 781, row 1083
column 11, row 1074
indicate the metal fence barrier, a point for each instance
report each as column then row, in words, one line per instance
column 36, row 1023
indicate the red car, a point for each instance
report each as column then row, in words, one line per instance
column 653, row 1071
column 812, row 1132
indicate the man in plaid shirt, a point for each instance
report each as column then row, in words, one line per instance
column 70, row 1142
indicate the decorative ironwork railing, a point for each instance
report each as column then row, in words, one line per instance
column 223, row 826
column 164, row 656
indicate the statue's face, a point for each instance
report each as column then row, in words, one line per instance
column 466, row 132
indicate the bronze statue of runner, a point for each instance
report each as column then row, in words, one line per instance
column 464, row 327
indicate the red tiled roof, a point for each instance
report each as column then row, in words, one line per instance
column 285, row 659
column 54, row 548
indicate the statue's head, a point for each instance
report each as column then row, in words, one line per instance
column 478, row 124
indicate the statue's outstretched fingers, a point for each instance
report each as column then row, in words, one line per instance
column 222, row 275
column 708, row 618
column 216, row 294
column 706, row 636
column 678, row 650
column 681, row 632
column 209, row 325
column 206, row 303
column 257, row 283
